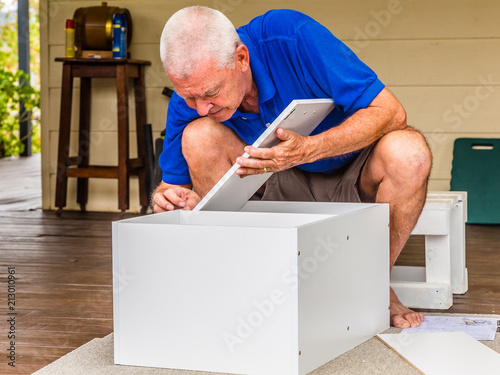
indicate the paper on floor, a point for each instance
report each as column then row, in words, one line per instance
column 480, row 328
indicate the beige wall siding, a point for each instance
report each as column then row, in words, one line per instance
column 440, row 58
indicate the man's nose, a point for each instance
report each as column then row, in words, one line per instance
column 203, row 106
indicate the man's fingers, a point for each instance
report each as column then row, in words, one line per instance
column 192, row 201
column 180, row 197
column 160, row 202
column 258, row 153
column 250, row 162
column 157, row 209
column 284, row 134
column 242, row 172
column 174, row 199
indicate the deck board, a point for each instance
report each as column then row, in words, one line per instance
column 20, row 183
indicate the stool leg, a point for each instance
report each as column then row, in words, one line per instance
column 457, row 238
column 141, row 120
column 84, row 140
column 123, row 137
column 64, row 137
column 438, row 259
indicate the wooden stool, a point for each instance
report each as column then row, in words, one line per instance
column 67, row 166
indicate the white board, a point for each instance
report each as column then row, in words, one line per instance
column 444, row 353
column 231, row 192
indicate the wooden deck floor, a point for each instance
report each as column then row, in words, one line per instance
column 63, row 291
column 20, row 184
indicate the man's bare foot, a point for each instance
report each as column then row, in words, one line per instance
column 402, row 316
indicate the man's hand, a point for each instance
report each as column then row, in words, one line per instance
column 172, row 197
column 291, row 151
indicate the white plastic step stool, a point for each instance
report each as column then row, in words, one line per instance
column 442, row 222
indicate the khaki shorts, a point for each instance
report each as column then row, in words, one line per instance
column 300, row 186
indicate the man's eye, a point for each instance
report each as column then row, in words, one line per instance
column 212, row 95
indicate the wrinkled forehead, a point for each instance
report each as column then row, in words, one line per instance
column 191, row 66
column 202, row 81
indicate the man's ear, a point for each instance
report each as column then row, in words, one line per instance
column 242, row 57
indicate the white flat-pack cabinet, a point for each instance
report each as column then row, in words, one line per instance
column 261, row 293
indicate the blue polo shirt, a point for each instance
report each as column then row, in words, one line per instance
column 291, row 57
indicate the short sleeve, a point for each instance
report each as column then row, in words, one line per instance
column 172, row 162
column 331, row 69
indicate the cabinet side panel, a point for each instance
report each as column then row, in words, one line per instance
column 343, row 272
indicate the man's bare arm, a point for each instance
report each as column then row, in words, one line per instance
column 169, row 197
column 367, row 125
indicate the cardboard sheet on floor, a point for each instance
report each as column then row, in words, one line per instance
column 444, row 353
column 231, row 192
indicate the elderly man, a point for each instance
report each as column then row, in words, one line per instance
column 230, row 83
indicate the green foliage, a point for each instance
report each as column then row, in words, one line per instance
column 12, row 93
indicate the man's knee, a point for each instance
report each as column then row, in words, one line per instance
column 205, row 139
column 407, row 154
column 198, row 132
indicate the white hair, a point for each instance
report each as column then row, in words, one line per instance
column 194, row 34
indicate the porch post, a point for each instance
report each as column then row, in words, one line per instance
column 24, row 65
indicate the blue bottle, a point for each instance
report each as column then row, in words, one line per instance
column 119, row 27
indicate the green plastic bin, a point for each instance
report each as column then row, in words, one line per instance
column 476, row 169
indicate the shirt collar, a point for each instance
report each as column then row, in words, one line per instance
column 262, row 80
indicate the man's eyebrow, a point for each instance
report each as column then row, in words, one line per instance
column 206, row 93
column 211, row 91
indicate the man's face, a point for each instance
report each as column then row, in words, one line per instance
column 213, row 92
